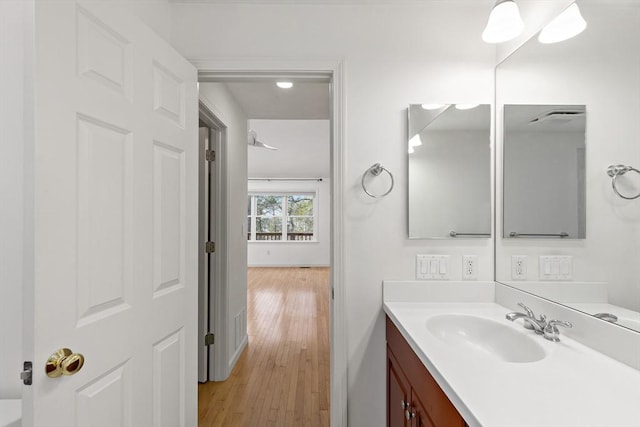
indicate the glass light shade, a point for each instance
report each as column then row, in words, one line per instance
column 466, row 106
column 504, row 23
column 415, row 141
column 284, row 85
column 568, row 24
column 432, row 106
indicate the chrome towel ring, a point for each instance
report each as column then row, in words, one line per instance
column 614, row 171
column 376, row 170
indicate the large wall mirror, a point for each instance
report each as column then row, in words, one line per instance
column 449, row 171
column 544, row 171
column 595, row 78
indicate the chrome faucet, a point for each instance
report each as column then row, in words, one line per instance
column 551, row 331
column 530, row 321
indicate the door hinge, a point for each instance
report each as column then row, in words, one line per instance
column 209, row 339
column 27, row 373
column 210, row 155
column 333, row 294
column 210, row 247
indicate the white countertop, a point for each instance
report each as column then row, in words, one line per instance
column 573, row 386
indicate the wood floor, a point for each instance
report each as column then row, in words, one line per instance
column 282, row 377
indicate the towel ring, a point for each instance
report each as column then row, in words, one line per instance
column 618, row 170
column 376, row 170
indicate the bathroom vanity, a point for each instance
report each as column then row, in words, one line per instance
column 414, row 398
column 453, row 359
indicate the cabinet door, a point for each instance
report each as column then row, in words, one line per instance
column 420, row 418
column 398, row 394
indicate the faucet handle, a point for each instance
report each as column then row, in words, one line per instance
column 527, row 309
column 551, row 331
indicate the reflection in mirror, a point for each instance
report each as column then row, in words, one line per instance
column 449, row 171
column 544, row 171
column 600, row 68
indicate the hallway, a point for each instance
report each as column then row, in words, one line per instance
column 282, row 377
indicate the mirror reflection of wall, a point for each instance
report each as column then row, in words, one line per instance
column 599, row 68
column 544, row 171
column 449, row 171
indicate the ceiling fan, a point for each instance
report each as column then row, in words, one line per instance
column 253, row 140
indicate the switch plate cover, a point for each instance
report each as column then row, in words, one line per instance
column 556, row 267
column 432, row 267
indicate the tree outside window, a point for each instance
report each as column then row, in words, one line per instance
column 281, row 217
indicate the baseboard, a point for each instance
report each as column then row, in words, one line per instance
column 288, row 265
column 236, row 355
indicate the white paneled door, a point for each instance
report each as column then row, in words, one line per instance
column 115, row 222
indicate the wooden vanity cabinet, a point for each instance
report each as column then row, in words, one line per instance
column 414, row 399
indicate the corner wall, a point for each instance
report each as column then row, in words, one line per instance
column 303, row 152
column 217, row 97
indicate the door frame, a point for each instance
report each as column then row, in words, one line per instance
column 218, row 368
column 228, row 69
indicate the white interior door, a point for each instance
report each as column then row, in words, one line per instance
column 115, row 222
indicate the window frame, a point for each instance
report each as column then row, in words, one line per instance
column 252, row 195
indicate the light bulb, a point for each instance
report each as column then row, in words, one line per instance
column 568, row 24
column 284, row 85
column 411, row 150
column 504, row 23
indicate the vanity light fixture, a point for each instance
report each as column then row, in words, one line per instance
column 284, row 85
column 432, row 106
column 504, row 22
column 466, row 106
column 415, row 141
column 568, row 24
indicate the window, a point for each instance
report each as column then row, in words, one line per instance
column 281, row 217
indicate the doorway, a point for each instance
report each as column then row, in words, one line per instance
column 334, row 288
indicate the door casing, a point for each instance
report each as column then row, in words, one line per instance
column 331, row 71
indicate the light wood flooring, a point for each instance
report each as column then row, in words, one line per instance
column 282, row 377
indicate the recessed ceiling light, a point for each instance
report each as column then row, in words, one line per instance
column 284, row 85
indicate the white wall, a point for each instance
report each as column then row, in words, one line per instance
column 450, row 183
column 599, row 68
column 12, row 134
column 218, row 98
column 303, row 152
column 394, row 56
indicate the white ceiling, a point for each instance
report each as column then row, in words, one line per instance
column 264, row 100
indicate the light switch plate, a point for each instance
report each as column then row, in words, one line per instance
column 432, row 267
column 556, row 267
column 518, row 267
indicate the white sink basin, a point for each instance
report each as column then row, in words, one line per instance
column 486, row 336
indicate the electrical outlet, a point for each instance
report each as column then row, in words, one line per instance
column 518, row 267
column 470, row 267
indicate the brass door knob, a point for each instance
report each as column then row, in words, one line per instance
column 63, row 362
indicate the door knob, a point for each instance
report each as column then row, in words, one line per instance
column 63, row 362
